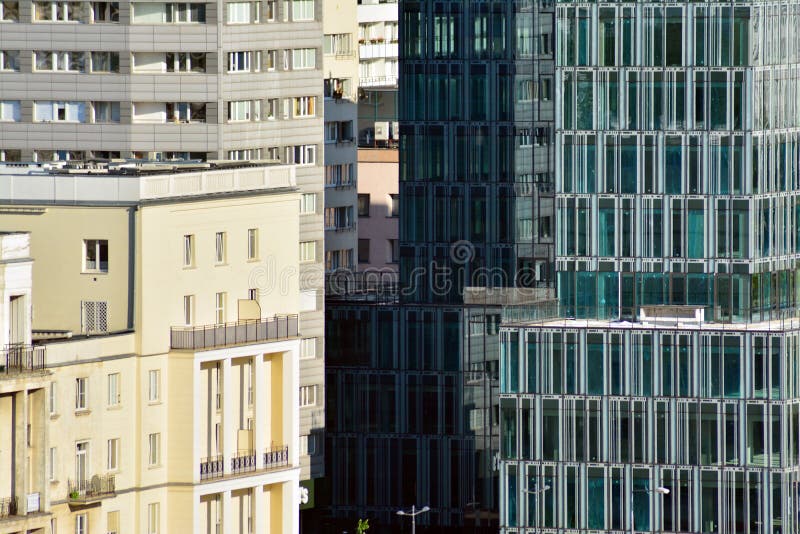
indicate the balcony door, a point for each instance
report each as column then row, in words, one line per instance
column 81, row 462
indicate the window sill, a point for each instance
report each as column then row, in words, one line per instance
column 189, row 267
column 220, row 264
column 94, row 273
column 54, row 416
column 252, row 260
column 154, row 402
column 82, row 411
column 114, row 407
column 154, row 467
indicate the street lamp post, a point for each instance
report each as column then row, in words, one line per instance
column 536, row 491
column 661, row 490
column 414, row 513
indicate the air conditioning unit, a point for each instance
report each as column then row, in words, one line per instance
column 382, row 131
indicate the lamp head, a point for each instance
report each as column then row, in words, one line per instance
column 662, row 490
column 425, row 508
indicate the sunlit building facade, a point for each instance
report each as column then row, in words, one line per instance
column 662, row 395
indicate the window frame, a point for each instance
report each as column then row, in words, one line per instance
column 114, row 397
column 81, row 393
column 220, row 248
column 308, row 395
column 112, row 446
column 153, row 386
column 154, row 449
column 188, row 250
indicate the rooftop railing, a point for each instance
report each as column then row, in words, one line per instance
column 21, row 358
column 236, row 333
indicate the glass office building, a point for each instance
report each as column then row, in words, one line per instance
column 673, row 362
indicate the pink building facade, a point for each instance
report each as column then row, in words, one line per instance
column 378, row 209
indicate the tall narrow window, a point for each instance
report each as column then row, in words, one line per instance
column 154, row 385
column 220, row 247
column 114, row 396
column 308, row 396
column 154, row 449
column 188, row 250
column 188, row 310
column 219, row 308
column 112, row 461
column 252, row 243
column 53, row 398
column 81, row 393
column 52, row 464
column 81, row 524
column 112, row 522
column 153, row 513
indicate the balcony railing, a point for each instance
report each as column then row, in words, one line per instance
column 276, row 457
column 243, row 462
column 8, row 507
column 96, row 488
column 220, row 335
column 19, row 358
column 212, row 467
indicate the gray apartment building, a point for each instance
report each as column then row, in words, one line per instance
column 178, row 81
column 661, row 394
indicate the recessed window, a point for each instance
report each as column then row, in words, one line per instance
column 112, row 454
column 9, row 10
column 9, row 60
column 188, row 310
column 10, row 110
column 308, row 348
column 252, row 243
column 81, row 393
column 53, row 399
column 81, row 524
column 243, row 12
column 308, row 251
column 301, row 154
column 95, row 255
column 105, row 12
column 338, row 44
column 394, row 205
column 219, row 307
column 114, row 394
column 308, row 203
column 154, row 385
column 246, row 61
column 220, row 240
column 304, row 106
column 153, row 518
column 302, row 9
column 308, row 396
column 363, row 204
column 188, row 250
column 154, row 449
column 394, row 250
column 304, row 58
column 363, row 250
column 112, row 523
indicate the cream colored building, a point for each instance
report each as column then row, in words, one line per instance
column 167, row 306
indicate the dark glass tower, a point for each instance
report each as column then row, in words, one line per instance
column 413, row 383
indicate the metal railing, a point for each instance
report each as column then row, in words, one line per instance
column 220, row 335
column 276, row 457
column 96, row 487
column 20, row 358
column 212, row 467
column 243, row 462
column 372, row 286
column 8, row 507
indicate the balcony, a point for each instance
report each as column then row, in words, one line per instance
column 22, row 359
column 245, row 461
column 91, row 490
column 8, row 507
column 236, row 333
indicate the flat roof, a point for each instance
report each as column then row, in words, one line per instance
column 662, row 323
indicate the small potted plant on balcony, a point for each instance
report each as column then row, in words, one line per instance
column 74, row 495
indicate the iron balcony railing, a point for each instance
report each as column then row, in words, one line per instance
column 239, row 332
column 97, row 487
column 243, row 462
column 8, row 507
column 212, row 467
column 276, row 457
column 20, row 358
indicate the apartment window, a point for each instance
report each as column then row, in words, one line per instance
column 308, row 203
column 252, row 294
column 331, row 132
column 105, row 11
column 51, row 464
column 546, row 92
column 244, row 61
column 336, row 87
column 304, row 106
column 154, row 385
column 244, row 154
column 219, row 307
column 302, row 9
column 59, row 61
column 153, row 513
column 339, row 175
column 178, row 112
column 271, row 10
column 10, row 155
column 338, row 259
column 271, row 59
column 339, row 218
column 394, row 250
column 273, row 153
column 81, row 393
column 9, row 60
column 339, row 44
column 252, row 243
column 112, row 522
column 239, row 110
column 57, row 11
column 154, row 449
column 304, row 58
column 363, row 204
column 112, row 446
column 95, row 255
column 82, row 524
column 52, row 398
column 59, row 111
column 188, row 310
column 188, row 250
column 308, row 348
column 10, row 111
column 363, row 251
column 157, row 13
column 105, row 112
column 105, row 61
column 219, row 247
column 243, row 12
column 114, row 395
column 394, row 205
column 308, row 251
column 9, row 10
column 301, row 154
column 308, row 445
column 178, row 62
column 308, row 396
